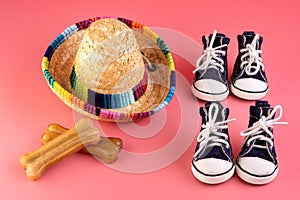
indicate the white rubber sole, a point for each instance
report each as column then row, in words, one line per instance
column 209, row 97
column 254, row 179
column 247, row 95
column 212, row 179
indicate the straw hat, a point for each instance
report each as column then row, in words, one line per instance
column 110, row 69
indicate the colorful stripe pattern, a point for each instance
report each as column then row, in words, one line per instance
column 97, row 112
column 108, row 101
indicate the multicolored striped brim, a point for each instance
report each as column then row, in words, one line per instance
column 58, row 70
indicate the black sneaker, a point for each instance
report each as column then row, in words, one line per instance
column 213, row 160
column 248, row 80
column 257, row 162
column 210, row 83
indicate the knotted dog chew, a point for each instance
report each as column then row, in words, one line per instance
column 107, row 149
column 38, row 161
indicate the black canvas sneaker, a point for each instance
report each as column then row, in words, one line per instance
column 213, row 160
column 257, row 162
column 248, row 80
column 210, row 83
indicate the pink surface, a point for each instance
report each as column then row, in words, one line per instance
column 28, row 106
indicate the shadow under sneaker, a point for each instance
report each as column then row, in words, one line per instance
column 213, row 160
column 210, row 83
column 248, row 80
column 257, row 162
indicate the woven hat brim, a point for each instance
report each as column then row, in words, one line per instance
column 58, row 62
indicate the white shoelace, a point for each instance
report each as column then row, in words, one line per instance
column 211, row 56
column 211, row 126
column 254, row 57
column 263, row 125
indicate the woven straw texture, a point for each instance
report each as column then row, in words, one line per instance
column 109, row 59
column 68, row 48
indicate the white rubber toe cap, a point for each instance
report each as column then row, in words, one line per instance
column 210, row 86
column 212, row 170
column 251, row 85
column 210, row 90
column 213, row 166
column 256, row 166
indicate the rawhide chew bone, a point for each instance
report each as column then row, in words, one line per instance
column 38, row 161
column 107, row 149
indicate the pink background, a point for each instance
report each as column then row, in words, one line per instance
column 28, row 106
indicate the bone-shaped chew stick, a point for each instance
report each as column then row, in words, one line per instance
column 38, row 161
column 107, row 149
column 26, row 158
column 53, row 130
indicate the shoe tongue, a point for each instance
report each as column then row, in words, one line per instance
column 255, row 114
column 259, row 110
column 220, row 39
column 247, row 38
column 249, row 33
column 262, row 108
column 266, row 110
column 222, row 114
column 209, row 103
column 261, row 103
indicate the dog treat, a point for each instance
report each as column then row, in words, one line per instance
column 38, row 161
column 107, row 149
column 31, row 156
column 53, row 130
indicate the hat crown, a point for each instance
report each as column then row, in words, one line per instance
column 108, row 59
